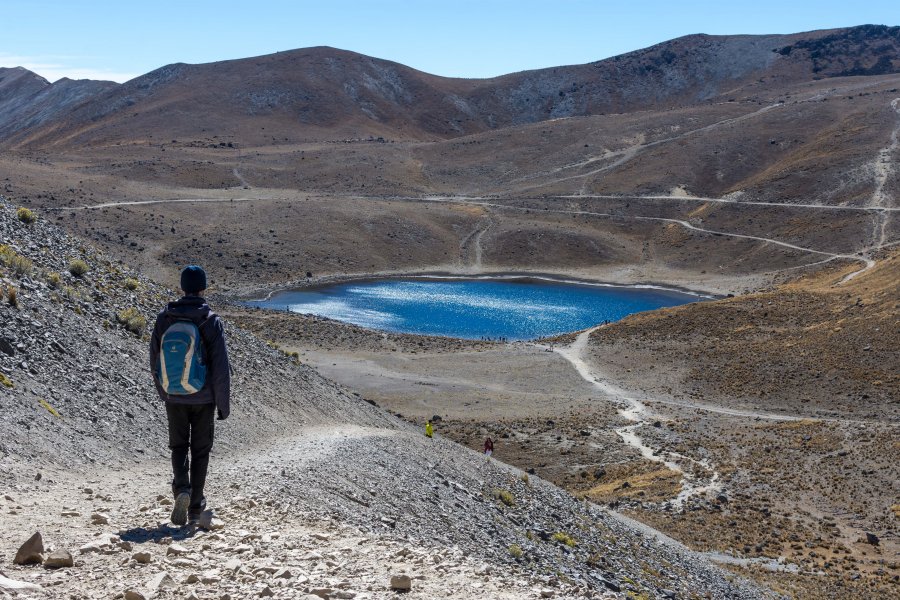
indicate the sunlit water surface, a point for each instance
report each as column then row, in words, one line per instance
column 474, row 309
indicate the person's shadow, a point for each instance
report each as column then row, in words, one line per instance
column 142, row 535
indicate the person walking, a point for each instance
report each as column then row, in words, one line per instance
column 189, row 361
column 488, row 446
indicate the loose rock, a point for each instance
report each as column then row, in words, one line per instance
column 58, row 559
column 401, row 583
column 31, row 552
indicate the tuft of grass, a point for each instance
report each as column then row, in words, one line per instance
column 49, row 408
column 5, row 381
column 26, row 216
column 562, row 537
column 78, row 267
column 54, row 280
column 516, row 551
column 525, row 478
column 133, row 320
column 14, row 261
column 505, row 496
column 132, row 284
column 12, row 296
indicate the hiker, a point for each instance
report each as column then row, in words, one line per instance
column 429, row 430
column 488, row 446
column 190, row 368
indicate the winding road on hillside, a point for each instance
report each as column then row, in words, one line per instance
column 626, row 154
column 867, row 263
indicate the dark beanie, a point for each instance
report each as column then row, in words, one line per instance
column 193, row 279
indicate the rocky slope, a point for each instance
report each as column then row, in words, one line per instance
column 78, row 412
column 27, row 100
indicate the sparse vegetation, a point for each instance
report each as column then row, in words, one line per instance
column 132, row 284
column 516, row 551
column 5, row 381
column 78, row 267
column 505, row 496
column 49, row 408
column 12, row 296
column 132, row 320
column 562, row 537
column 54, row 280
column 72, row 293
column 26, row 216
column 17, row 263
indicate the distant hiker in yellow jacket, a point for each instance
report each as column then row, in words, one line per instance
column 429, row 430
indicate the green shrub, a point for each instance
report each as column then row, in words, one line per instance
column 25, row 215
column 78, row 267
column 15, row 261
column 133, row 320
column 516, row 551
column 505, row 496
column 564, row 538
column 132, row 284
column 54, row 280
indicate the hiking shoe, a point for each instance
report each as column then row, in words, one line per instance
column 194, row 516
column 179, row 513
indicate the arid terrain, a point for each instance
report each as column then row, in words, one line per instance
column 747, row 459
column 752, row 436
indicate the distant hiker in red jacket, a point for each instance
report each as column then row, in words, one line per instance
column 190, row 368
column 488, row 446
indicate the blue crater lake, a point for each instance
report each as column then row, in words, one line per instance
column 515, row 309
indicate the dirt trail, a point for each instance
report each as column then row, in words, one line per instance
column 470, row 248
column 266, row 531
column 884, row 171
column 624, row 155
column 474, row 238
column 634, row 410
column 867, row 262
column 240, row 177
column 735, row 202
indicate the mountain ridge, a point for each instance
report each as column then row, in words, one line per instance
column 323, row 92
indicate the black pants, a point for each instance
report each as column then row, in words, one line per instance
column 190, row 427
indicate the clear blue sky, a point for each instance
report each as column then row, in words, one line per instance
column 120, row 39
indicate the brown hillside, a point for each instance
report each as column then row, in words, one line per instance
column 777, row 350
column 323, row 93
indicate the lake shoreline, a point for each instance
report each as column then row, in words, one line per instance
column 509, row 276
column 456, row 305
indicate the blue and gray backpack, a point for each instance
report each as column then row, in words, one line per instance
column 181, row 369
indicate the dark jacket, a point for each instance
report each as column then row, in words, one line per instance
column 218, row 375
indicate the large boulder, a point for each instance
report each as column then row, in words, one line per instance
column 31, row 552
